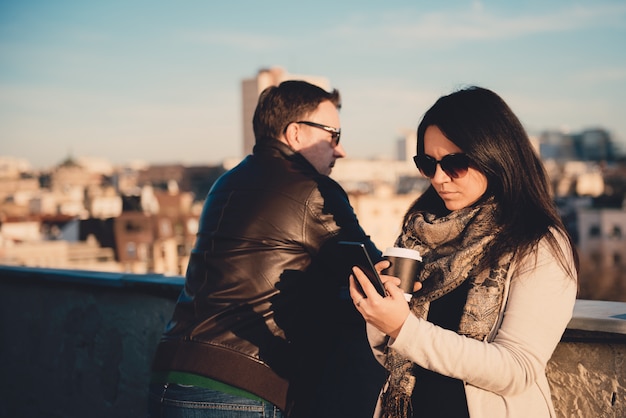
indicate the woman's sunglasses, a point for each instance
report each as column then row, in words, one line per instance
column 454, row 165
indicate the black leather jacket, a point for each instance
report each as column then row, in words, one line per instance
column 261, row 308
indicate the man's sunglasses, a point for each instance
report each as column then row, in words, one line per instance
column 454, row 165
column 334, row 132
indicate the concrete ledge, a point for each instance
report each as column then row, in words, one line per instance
column 80, row 343
column 587, row 371
column 599, row 316
column 95, row 278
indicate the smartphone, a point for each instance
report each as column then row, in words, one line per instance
column 355, row 254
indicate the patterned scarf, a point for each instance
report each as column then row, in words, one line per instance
column 451, row 249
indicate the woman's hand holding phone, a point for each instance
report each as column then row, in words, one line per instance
column 385, row 313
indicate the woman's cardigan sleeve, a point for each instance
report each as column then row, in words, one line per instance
column 539, row 306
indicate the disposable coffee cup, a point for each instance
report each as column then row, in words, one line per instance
column 404, row 265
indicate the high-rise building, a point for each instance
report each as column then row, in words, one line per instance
column 406, row 147
column 595, row 145
column 252, row 87
column 588, row 145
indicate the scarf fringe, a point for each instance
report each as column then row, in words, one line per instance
column 398, row 406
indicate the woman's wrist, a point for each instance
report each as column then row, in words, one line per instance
column 394, row 333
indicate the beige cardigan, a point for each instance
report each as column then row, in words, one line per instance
column 505, row 374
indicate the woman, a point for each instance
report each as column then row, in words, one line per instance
column 498, row 278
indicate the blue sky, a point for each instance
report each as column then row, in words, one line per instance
column 160, row 81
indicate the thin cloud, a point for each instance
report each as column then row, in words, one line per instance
column 402, row 29
column 548, row 113
column 600, row 75
column 240, row 40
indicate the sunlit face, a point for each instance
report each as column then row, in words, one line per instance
column 316, row 144
column 457, row 193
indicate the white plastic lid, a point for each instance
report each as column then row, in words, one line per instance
column 403, row 253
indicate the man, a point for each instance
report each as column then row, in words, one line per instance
column 260, row 325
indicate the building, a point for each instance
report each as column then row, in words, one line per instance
column 194, row 179
column 587, row 145
column 602, row 235
column 594, row 145
column 252, row 87
column 381, row 212
column 406, row 147
column 602, row 248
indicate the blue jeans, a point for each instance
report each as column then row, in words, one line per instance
column 182, row 401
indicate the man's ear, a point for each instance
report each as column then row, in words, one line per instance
column 292, row 136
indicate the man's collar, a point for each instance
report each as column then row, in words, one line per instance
column 268, row 143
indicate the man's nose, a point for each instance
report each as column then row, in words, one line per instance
column 339, row 152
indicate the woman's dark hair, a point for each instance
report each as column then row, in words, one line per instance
column 479, row 122
column 290, row 101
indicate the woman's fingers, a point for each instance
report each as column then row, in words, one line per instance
column 381, row 265
column 366, row 288
column 391, row 279
column 391, row 286
column 387, row 314
column 355, row 293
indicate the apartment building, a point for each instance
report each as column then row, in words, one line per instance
column 602, row 236
column 602, row 247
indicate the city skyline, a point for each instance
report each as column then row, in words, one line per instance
column 157, row 82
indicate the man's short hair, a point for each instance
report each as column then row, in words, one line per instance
column 290, row 101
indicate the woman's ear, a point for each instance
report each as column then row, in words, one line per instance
column 292, row 136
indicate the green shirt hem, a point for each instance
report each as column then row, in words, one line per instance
column 183, row 378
